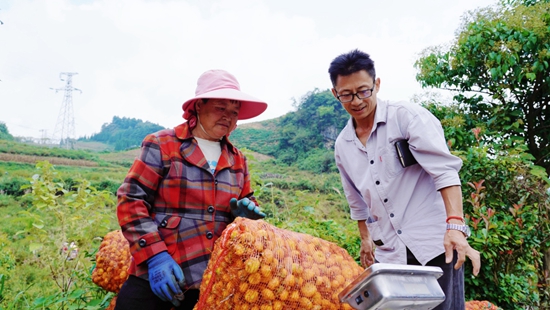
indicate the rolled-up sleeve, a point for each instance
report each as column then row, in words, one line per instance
column 428, row 146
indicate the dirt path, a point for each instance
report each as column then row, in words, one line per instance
column 32, row 159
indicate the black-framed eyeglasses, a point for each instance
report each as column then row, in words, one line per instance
column 362, row 94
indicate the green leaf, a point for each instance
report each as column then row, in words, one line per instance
column 39, row 226
column 35, row 246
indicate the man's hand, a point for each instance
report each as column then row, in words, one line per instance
column 455, row 240
column 245, row 208
column 165, row 277
column 366, row 254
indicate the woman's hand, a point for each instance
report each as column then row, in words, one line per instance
column 245, row 208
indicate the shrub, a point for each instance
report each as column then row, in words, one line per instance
column 12, row 186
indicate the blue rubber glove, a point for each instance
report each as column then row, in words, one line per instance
column 245, row 208
column 165, row 277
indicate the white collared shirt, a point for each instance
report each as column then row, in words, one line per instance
column 402, row 206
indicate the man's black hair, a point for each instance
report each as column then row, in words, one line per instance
column 349, row 63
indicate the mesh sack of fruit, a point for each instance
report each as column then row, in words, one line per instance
column 255, row 265
column 112, row 262
column 481, row 305
column 112, row 304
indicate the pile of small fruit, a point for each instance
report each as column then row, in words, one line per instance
column 480, row 305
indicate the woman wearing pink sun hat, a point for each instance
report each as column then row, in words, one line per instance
column 185, row 187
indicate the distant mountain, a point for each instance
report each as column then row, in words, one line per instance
column 123, row 133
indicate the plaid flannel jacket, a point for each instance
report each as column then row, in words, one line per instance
column 170, row 201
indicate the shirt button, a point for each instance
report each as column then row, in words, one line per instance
column 209, row 235
column 163, row 223
column 216, row 182
column 377, row 182
column 391, row 214
column 210, row 209
column 399, row 231
column 142, row 242
column 372, row 162
column 386, row 200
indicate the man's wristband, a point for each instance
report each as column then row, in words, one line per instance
column 460, row 218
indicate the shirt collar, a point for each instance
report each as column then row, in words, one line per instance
column 380, row 116
column 183, row 132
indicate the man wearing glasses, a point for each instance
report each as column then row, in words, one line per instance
column 411, row 213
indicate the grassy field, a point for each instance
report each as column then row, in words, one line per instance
column 34, row 226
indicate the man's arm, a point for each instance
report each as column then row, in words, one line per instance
column 454, row 239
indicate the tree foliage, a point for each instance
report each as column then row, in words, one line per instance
column 500, row 64
column 4, row 133
column 124, row 133
column 507, row 208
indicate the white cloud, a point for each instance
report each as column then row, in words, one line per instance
column 140, row 58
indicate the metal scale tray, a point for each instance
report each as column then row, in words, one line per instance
column 393, row 286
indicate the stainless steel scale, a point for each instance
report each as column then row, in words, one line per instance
column 392, row 286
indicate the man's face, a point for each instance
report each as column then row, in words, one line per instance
column 357, row 83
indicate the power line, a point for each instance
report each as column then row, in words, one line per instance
column 64, row 128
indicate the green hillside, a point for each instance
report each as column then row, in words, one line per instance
column 123, row 133
column 303, row 138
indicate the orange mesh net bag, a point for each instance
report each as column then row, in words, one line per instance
column 255, row 265
column 112, row 262
column 112, row 304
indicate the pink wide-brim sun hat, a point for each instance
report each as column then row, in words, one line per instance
column 220, row 84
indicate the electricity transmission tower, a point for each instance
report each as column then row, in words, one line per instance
column 64, row 128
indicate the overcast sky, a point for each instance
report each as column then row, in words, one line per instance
column 142, row 58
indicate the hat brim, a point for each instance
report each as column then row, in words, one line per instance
column 250, row 106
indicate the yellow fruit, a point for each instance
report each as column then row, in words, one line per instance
column 274, row 283
column 319, row 257
column 254, row 278
column 239, row 249
column 309, row 274
column 267, row 256
column 265, row 270
column 294, row 296
column 290, row 280
column 243, row 287
column 284, row 295
column 259, row 246
column 251, row 296
column 306, row 303
column 268, row 294
column 252, row 265
column 277, row 305
column 308, row 290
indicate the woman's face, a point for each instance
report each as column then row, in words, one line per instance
column 218, row 117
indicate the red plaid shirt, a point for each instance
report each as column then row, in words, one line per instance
column 170, row 200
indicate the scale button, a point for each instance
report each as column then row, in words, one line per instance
column 358, row 299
